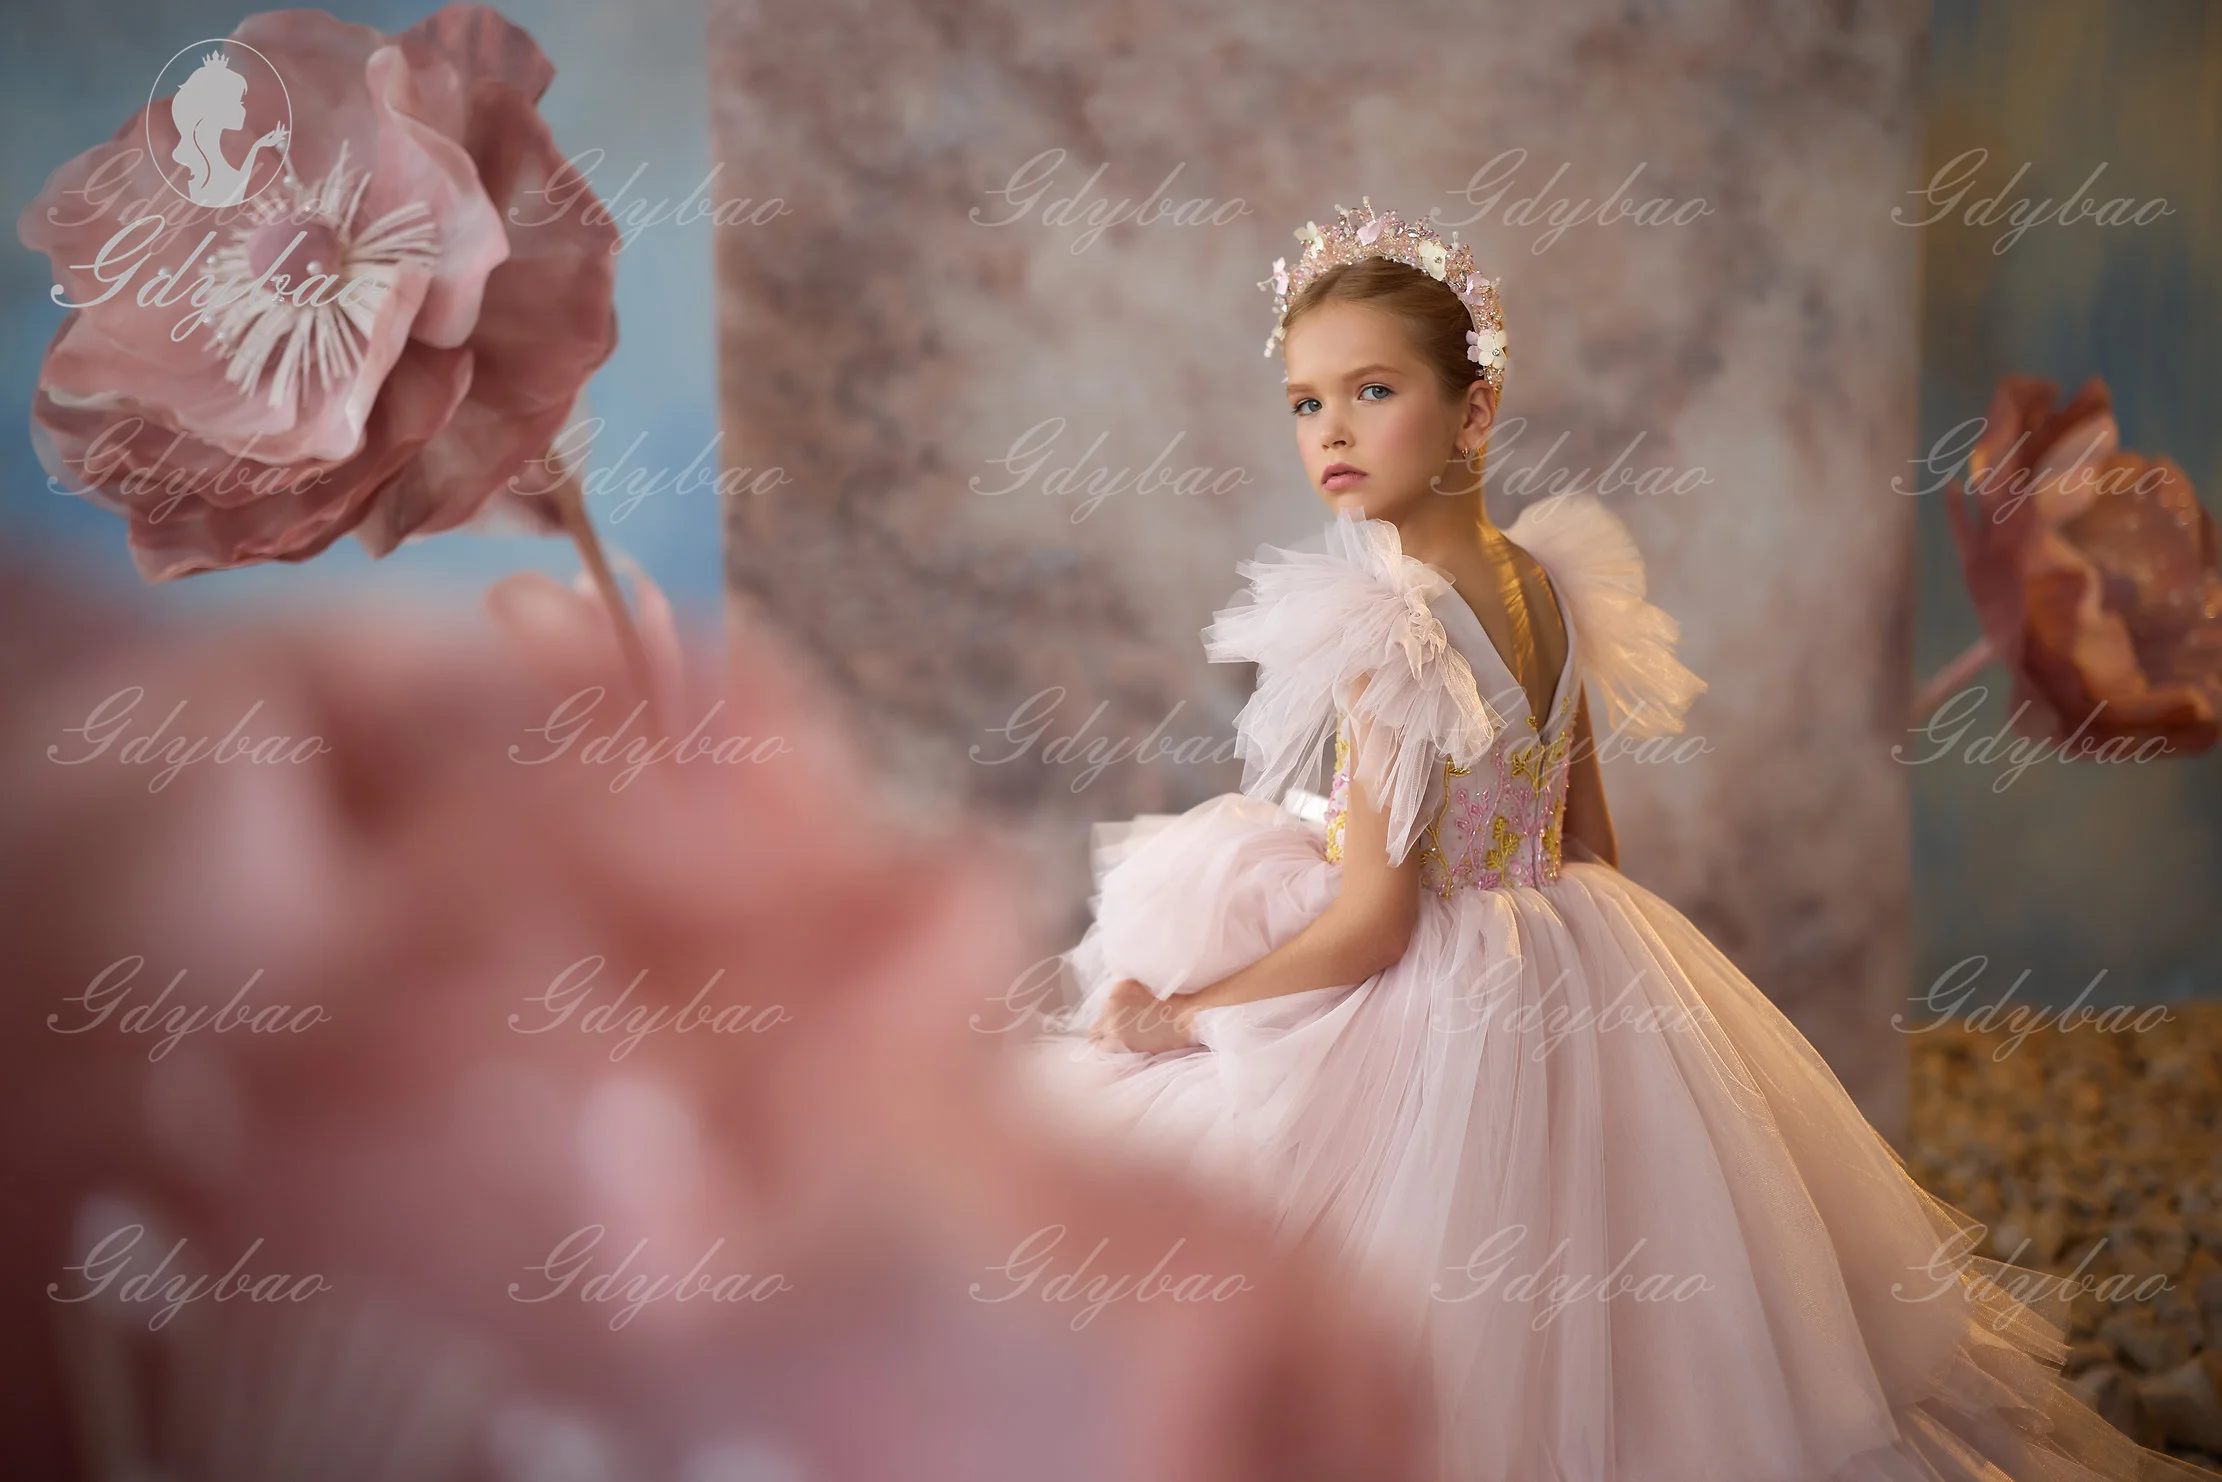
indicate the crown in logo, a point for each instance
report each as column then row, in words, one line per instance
column 1354, row 235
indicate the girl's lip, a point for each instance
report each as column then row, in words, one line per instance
column 1340, row 476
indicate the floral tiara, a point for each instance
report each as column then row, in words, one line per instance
column 1352, row 236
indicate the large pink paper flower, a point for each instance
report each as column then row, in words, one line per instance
column 2093, row 569
column 428, row 344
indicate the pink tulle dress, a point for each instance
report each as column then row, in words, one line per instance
column 1644, row 1229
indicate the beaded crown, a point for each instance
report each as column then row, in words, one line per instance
column 1355, row 235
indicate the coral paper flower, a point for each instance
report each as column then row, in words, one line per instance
column 2094, row 572
column 380, row 340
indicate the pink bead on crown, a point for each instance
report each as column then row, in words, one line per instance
column 1353, row 235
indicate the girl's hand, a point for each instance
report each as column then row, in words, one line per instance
column 1133, row 1018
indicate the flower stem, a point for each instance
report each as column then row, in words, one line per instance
column 1951, row 677
column 570, row 503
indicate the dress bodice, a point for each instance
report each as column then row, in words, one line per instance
column 1363, row 639
column 1497, row 822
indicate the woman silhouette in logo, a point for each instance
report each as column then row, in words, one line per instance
column 210, row 104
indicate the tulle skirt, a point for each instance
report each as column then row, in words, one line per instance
column 1644, row 1230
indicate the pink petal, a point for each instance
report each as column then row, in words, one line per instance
column 484, row 47
column 439, row 174
column 176, row 537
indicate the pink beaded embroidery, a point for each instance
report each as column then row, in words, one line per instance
column 1499, row 822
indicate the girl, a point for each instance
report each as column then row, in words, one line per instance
column 1643, row 1228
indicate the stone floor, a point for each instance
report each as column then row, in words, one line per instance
column 2095, row 1153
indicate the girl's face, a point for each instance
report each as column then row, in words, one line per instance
column 1375, row 429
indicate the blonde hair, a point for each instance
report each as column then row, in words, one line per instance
column 1437, row 320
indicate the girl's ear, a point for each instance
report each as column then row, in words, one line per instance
column 1481, row 415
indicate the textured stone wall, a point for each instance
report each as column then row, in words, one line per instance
column 903, row 342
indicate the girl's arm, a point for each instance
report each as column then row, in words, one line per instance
column 1588, row 822
column 1364, row 930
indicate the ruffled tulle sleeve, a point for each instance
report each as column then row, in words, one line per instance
column 1625, row 645
column 1350, row 632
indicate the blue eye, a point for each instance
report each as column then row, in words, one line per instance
column 1309, row 401
column 1373, row 386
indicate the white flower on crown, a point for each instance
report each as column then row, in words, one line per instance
column 1387, row 235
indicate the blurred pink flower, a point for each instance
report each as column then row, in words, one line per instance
column 568, row 635
column 231, row 420
column 443, row 1126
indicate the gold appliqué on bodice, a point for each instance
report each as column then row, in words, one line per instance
column 1500, row 821
column 1337, row 804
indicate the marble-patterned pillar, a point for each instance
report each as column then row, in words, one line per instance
column 952, row 347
